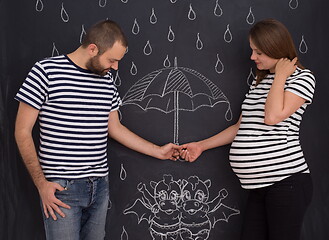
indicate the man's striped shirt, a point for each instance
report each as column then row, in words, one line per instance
column 263, row 154
column 74, row 106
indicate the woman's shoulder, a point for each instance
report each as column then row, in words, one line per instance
column 303, row 77
column 303, row 73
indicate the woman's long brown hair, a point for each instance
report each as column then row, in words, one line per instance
column 273, row 39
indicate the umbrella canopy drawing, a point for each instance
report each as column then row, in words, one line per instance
column 175, row 89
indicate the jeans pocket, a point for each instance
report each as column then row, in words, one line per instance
column 62, row 182
column 66, row 184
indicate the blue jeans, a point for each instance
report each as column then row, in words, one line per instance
column 88, row 199
column 276, row 212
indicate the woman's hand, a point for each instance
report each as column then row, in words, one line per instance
column 284, row 67
column 191, row 151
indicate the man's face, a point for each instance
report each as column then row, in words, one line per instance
column 101, row 64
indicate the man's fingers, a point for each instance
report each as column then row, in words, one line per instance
column 45, row 210
column 58, row 210
column 51, row 212
column 177, row 147
column 59, row 187
column 60, row 203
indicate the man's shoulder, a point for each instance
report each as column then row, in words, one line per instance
column 61, row 59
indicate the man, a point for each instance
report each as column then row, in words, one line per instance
column 76, row 102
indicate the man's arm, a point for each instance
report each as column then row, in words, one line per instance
column 25, row 120
column 129, row 139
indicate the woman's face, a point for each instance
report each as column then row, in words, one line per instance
column 263, row 62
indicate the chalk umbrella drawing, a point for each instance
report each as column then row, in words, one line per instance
column 175, row 89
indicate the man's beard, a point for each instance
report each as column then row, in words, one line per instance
column 94, row 65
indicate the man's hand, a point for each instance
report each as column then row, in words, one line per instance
column 191, row 151
column 49, row 202
column 170, row 151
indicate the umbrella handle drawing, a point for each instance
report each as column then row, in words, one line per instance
column 176, row 118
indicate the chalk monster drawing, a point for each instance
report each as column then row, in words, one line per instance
column 180, row 209
column 175, row 89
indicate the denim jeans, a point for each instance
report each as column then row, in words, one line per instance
column 276, row 212
column 88, row 199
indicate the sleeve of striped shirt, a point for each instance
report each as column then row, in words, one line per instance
column 35, row 87
column 303, row 85
column 116, row 102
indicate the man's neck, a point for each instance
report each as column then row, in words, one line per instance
column 79, row 57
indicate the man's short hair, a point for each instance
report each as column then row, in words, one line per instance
column 104, row 34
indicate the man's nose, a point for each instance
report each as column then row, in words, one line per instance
column 115, row 66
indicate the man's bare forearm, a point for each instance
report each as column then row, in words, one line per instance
column 27, row 150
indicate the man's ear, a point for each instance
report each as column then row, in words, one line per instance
column 92, row 49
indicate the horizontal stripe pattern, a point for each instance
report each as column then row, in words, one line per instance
column 74, row 106
column 261, row 154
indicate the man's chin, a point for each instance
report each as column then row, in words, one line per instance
column 100, row 73
column 103, row 73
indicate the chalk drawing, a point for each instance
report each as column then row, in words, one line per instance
column 199, row 43
column 135, row 28
column 250, row 17
column 153, row 17
column 180, row 209
column 54, row 51
column 147, row 48
column 218, row 11
column 175, row 89
column 293, row 4
column 124, row 234
column 123, row 173
column 171, row 35
column 83, row 33
column 251, row 77
column 64, row 15
column 191, row 13
column 102, row 3
column 228, row 35
column 117, row 79
column 303, row 46
column 39, row 6
column 219, row 67
column 166, row 62
column 133, row 69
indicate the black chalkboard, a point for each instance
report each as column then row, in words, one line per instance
column 202, row 43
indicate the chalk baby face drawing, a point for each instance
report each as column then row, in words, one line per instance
column 180, row 209
column 194, row 220
column 159, row 208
